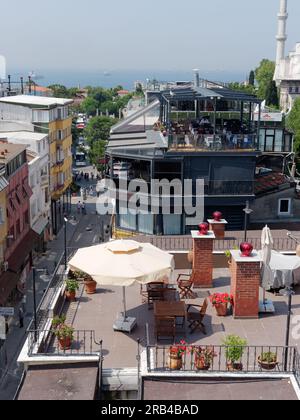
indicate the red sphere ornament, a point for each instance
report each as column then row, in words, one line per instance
column 203, row 229
column 246, row 249
column 217, row 216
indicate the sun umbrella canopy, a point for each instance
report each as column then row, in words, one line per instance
column 123, row 263
column 267, row 245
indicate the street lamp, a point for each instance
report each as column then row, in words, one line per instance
column 65, row 241
column 288, row 291
column 34, row 271
column 247, row 211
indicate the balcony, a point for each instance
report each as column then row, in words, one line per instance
column 234, row 143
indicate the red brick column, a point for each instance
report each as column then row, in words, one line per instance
column 245, row 283
column 218, row 228
column 203, row 259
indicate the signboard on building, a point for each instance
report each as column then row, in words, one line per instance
column 7, row 311
column 269, row 116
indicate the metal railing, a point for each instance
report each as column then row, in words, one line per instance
column 185, row 243
column 215, row 143
column 297, row 367
column 158, row 360
column 45, row 343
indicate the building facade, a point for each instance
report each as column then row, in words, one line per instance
column 20, row 239
column 48, row 116
column 187, row 133
column 38, row 158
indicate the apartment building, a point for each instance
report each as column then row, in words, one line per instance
column 38, row 158
column 49, row 116
column 20, row 239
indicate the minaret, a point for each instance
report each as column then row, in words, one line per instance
column 281, row 37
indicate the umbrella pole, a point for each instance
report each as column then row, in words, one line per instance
column 124, row 303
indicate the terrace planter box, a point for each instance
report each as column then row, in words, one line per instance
column 90, row 286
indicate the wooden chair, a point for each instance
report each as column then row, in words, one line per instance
column 195, row 319
column 165, row 328
column 155, row 292
column 185, row 283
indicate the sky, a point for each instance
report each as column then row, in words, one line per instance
column 90, row 35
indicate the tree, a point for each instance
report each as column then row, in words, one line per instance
column 264, row 75
column 252, row 78
column 293, row 123
column 98, row 129
column 272, row 95
column 240, row 87
column 59, row 91
column 89, row 106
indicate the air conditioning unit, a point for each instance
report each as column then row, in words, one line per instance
column 5, row 266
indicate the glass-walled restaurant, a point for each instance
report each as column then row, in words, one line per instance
column 188, row 133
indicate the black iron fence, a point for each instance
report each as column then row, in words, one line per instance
column 223, row 359
column 297, row 367
column 46, row 343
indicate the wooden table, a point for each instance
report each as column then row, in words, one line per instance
column 173, row 309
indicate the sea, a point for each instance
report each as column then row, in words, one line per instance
column 126, row 78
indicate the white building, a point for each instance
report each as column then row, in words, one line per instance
column 287, row 73
column 39, row 179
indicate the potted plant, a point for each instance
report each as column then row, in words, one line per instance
column 221, row 301
column 268, row 361
column 71, row 288
column 235, row 347
column 58, row 321
column 204, row 357
column 90, row 285
column 176, row 354
column 65, row 336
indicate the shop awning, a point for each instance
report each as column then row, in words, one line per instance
column 40, row 225
column 8, row 281
column 22, row 251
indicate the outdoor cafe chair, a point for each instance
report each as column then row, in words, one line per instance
column 185, row 283
column 195, row 318
column 165, row 328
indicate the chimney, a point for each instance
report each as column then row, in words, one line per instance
column 196, row 78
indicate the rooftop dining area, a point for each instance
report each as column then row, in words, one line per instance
column 209, row 119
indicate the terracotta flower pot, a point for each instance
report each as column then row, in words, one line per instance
column 71, row 296
column 203, row 229
column 65, row 343
column 221, row 309
column 217, row 216
column 90, row 286
column 234, row 367
column 200, row 364
column 246, row 249
column 175, row 361
column 190, row 257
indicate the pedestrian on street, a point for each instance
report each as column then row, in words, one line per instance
column 83, row 207
column 21, row 317
column 79, row 207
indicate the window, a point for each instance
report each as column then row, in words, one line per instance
column 2, row 218
column 285, row 207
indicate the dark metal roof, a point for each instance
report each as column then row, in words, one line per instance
column 193, row 93
column 60, row 382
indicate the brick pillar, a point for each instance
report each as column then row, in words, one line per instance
column 203, row 259
column 245, row 283
column 218, row 228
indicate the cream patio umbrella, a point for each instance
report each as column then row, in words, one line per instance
column 123, row 263
column 266, row 273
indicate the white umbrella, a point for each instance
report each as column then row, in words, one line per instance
column 123, row 263
column 266, row 253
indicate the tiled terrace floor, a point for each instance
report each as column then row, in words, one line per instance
column 98, row 312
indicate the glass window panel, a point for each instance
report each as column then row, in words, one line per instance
column 172, row 224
